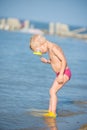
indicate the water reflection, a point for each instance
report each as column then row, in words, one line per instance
column 51, row 123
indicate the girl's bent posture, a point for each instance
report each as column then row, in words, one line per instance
column 59, row 65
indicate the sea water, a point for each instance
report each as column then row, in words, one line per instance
column 25, row 83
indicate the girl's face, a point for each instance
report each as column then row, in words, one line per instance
column 42, row 48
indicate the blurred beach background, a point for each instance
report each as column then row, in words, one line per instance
column 25, row 81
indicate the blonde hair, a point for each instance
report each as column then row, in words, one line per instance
column 36, row 41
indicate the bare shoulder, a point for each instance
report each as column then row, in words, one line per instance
column 56, row 48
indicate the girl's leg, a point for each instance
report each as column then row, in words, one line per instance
column 50, row 105
column 50, row 102
column 53, row 97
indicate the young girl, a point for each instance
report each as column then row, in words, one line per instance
column 59, row 64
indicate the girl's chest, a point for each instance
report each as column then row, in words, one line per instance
column 53, row 57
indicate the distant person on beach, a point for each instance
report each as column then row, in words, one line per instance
column 39, row 46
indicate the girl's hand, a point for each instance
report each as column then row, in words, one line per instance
column 43, row 59
column 60, row 78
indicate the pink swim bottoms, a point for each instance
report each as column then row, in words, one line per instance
column 66, row 72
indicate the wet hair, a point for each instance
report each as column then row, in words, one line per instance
column 36, row 41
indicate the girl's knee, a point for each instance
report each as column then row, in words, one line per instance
column 52, row 92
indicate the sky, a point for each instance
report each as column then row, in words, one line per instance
column 72, row 12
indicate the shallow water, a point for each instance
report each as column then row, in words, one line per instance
column 25, row 83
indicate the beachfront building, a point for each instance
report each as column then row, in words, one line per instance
column 26, row 24
column 13, row 23
column 61, row 28
column 51, row 28
column 2, row 23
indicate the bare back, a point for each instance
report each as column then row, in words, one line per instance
column 55, row 60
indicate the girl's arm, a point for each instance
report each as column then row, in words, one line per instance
column 44, row 60
column 59, row 53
